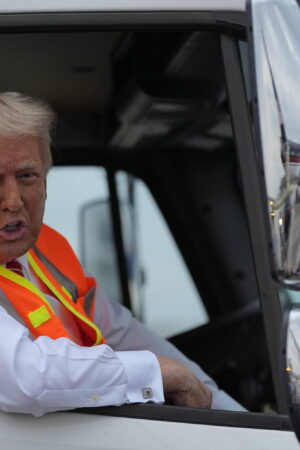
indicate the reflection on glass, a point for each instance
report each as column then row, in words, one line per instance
column 276, row 31
column 293, row 362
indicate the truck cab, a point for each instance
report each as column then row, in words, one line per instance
column 158, row 184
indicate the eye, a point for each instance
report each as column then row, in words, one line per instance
column 28, row 176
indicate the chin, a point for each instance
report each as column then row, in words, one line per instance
column 14, row 251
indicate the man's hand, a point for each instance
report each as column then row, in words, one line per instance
column 181, row 386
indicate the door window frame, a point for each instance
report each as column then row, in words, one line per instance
column 247, row 160
column 231, row 24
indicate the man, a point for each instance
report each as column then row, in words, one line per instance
column 62, row 344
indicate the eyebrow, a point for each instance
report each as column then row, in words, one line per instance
column 25, row 165
column 31, row 164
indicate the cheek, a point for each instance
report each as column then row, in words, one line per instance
column 35, row 205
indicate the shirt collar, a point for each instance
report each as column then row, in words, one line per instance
column 24, row 262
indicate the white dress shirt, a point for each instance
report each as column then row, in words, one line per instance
column 42, row 375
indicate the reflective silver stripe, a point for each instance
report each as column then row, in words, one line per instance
column 60, row 277
column 10, row 309
column 88, row 300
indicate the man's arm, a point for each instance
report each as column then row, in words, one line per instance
column 49, row 375
column 123, row 332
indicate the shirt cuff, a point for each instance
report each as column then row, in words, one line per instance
column 144, row 381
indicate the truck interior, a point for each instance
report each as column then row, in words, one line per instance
column 153, row 103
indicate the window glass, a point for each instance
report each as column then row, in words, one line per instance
column 288, row 296
column 78, row 207
column 68, row 190
column 170, row 301
column 243, row 46
column 163, row 293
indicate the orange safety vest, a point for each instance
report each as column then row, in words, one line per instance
column 56, row 265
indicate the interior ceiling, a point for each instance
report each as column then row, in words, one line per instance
column 123, row 90
column 70, row 70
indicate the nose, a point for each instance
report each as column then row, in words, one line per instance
column 10, row 196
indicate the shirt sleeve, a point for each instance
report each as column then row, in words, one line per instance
column 49, row 375
column 123, row 332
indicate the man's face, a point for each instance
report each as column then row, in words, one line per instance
column 22, row 195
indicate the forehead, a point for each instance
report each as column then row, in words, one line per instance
column 17, row 150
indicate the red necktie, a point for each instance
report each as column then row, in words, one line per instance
column 15, row 266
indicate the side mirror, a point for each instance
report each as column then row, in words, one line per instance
column 97, row 247
column 274, row 40
column 99, row 255
column 290, row 350
column 274, row 44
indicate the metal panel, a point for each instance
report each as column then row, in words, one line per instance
column 17, row 6
column 82, row 431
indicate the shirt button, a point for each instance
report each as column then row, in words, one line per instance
column 95, row 397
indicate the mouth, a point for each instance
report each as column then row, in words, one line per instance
column 12, row 230
column 12, row 226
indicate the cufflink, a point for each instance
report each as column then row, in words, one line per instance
column 147, row 392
